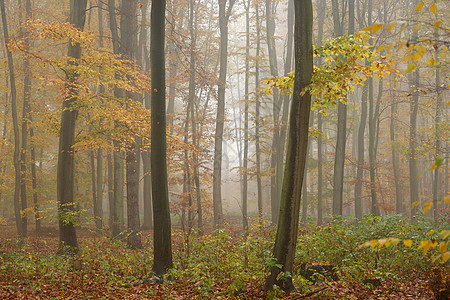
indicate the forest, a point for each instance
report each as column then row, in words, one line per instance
column 224, row 149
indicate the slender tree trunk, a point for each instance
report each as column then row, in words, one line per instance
column 37, row 217
column 195, row 138
column 66, row 166
column 12, row 80
column 246, row 99
column 437, row 123
column 257, row 119
column 287, row 232
column 275, row 180
column 26, row 112
column 118, row 164
column 413, row 182
column 361, row 152
column 339, row 158
column 162, row 245
column 305, row 176
column 321, row 17
column 110, row 163
column 142, row 56
column 224, row 15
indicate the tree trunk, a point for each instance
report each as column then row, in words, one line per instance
column 286, row 238
column 224, row 15
column 246, row 99
column 65, row 175
column 162, row 245
column 128, row 45
column 257, row 119
column 26, row 112
column 118, row 164
column 339, row 157
column 12, row 80
column 275, row 180
column 322, row 5
column 361, row 152
column 413, row 182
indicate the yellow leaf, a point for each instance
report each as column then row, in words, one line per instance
column 419, row 6
column 427, row 207
column 443, row 247
column 390, row 26
column 431, row 231
column 408, row 243
column 376, row 27
column 434, row 166
column 373, row 243
column 446, row 256
column 447, row 199
column 403, row 43
column 382, row 242
column 395, row 241
column 414, row 204
column 433, row 8
column 380, row 48
column 422, row 244
column 437, row 24
column 432, row 62
column 417, row 27
column 410, row 68
column 421, row 50
column 445, row 234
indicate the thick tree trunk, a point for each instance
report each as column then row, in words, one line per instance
column 66, row 167
column 395, row 159
column 286, row 238
column 162, row 245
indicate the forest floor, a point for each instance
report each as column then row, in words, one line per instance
column 107, row 270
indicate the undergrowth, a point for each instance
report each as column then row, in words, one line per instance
column 224, row 263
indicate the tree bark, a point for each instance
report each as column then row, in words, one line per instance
column 12, row 80
column 286, row 238
column 257, row 118
column 339, row 157
column 66, row 171
column 162, row 260
column 128, row 45
column 224, row 15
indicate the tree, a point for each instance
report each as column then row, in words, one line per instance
column 128, row 29
column 224, row 16
column 286, row 238
column 12, row 81
column 162, row 249
column 339, row 157
column 66, row 166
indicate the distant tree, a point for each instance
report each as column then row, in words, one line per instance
column 287, row 231
column 224, row 16
column 65, row 175
column 12, row 80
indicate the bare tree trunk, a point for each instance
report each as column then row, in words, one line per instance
column 257, row 119
column 12, row 80
column 287, row 232
column 128, row 29
column 339, row 158
column 275, row 180
column 224, row 15
column 66, row 171
column 162, row 245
